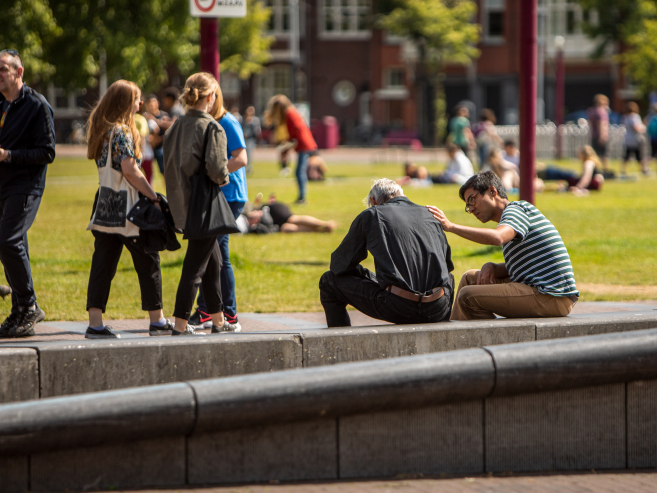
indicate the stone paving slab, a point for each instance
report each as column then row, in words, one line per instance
column 593, row 482
column 264, row 322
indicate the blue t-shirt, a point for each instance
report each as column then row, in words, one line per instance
column 236, row 190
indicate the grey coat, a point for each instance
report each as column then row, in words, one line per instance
column 183, row 153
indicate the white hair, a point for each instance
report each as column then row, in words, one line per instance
column 383, row 190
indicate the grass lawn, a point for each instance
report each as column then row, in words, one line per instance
column 611, row 237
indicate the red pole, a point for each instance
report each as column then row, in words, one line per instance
column 528, row 67
column 560, row 96
column 210, row 46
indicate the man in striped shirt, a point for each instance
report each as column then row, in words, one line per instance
column 536, row 278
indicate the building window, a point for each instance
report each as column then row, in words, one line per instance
column 565, row 17
column 344, row 17
column 276, row 79
column 395, row 77
column 493, row 20
column 279, row 21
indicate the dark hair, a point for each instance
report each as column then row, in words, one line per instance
column 172, row 92
column 452, row 147
column 483, row 181
column 487, row 115
column 509, row 143
column 151, row 96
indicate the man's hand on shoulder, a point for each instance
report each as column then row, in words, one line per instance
column 3, row 154
column 440, row 217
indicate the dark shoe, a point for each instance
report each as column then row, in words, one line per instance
column 4, row 290
column 106, row 333
column 8, row 324
column 156, row 330
column 27, row 319
column 217, row 330
column 200, row 320
column 189, row 331
column 300, row 202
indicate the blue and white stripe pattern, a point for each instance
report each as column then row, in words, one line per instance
column 537, row 255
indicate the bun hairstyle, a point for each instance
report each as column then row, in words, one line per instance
column 198, row 87
column 114, row 108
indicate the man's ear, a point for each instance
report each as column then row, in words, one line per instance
column 20, row 71
column 493, row 191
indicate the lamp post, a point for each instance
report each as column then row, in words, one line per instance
column 210, row 46
column 559, row 43
column 527, row 107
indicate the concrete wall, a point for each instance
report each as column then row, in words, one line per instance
column 47, row 369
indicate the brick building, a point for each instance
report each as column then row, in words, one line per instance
column 366, row 78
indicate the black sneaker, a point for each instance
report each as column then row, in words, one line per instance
column 200, row 320
column 8, row 324
column 216, row 329
column 106, row 333
column 157, row 330
column 27, row 319
column 189, row 331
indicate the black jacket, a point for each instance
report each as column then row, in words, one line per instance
column 157, row 231
column 409, row 247
column 29, row 133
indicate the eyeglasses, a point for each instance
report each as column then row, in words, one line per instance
column 470, row 202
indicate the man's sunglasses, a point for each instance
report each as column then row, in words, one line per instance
column 13, row 53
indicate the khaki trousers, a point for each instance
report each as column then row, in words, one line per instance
column 506, row 299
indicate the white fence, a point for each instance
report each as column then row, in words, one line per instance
column 573, row 135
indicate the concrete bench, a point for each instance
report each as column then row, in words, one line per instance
column 48, row 369
column 568, row 404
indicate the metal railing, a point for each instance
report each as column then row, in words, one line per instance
column 573, row 135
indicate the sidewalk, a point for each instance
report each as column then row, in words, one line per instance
column 594, row 482
column 362, row 155
column 259, row 322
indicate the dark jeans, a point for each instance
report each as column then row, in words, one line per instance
column 17, row 213
column 202, row 262
column 107, row 253
column 302, row 173
column 227, row 275
column 159, row 157
column 361, row 291
column 552, row 173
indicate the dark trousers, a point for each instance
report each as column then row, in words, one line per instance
column 159, row 157
column 227, row 275
column 361, row 291
column 107, row 253
column 202, row 263
column 17, row 213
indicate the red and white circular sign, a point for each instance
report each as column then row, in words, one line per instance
column 217, row 8
column 205, row 5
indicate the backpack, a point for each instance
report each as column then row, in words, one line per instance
column 652, row 128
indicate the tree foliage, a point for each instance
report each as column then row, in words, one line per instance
column 66, row 40
column 30, row 28
column 630, row 25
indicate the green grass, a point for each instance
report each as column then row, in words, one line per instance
column 611, row 237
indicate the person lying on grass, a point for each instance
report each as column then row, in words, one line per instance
column 536, row 278
column 413, row 262
column 277, row 217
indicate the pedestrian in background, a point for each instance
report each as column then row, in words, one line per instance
column 282, row 111
column 598, row 117
column 172, row 103
column 252, row 134
column 163, row 120
column 634, row 137
column 194, row 141
column 486, row 136
column 115, row 144
column 236, row 194
column 459, row 130
column 27, row 146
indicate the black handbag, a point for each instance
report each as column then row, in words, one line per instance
column 208, row 212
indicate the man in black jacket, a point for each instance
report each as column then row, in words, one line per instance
column 412, row 258
column 27, row 146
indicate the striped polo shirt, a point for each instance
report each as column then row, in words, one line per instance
column 537, row 255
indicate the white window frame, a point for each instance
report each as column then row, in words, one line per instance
column 488, row 7
column 388, row 75
column 336, row 9
column 71, row 110
column 266, row 86
column 278, row 10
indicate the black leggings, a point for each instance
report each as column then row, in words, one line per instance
column 202, row 263
column 107, row 253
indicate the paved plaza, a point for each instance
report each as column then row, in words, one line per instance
column 265, row 322
column 592, row 482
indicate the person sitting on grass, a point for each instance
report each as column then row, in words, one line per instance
column 459, row 168
column 413, row 262
column 591, row 177
column 536, row 278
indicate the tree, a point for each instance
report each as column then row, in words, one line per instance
column 443, row 32
column 29, row 26
column 72, row 41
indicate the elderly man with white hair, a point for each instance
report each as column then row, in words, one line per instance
column 412, row 258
